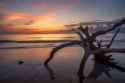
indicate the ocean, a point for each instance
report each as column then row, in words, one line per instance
column 63, row 67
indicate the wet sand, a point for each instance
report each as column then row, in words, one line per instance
column 64, row 66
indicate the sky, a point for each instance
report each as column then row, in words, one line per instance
column 32, row 16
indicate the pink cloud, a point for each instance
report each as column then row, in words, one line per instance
column 56, row 5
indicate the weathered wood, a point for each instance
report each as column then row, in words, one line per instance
column 98, row 33
column 87, row 43
column 60, row 47
column 110, row 50
column 113, row 38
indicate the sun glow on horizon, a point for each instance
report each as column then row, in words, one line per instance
column 21, row 22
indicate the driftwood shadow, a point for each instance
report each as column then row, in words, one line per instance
column 100, row 67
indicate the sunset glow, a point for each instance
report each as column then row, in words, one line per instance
column 32, row 16
column 30, row 23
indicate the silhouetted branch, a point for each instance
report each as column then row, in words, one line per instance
column 108, row 46
column 87, row 53
column 110, row 50
column 87, row 42
column 94, row 35
column 122, row 69
column 84, row 31
column 51, row 72
column 60, row 47
column 108, row 74
column 77, row 31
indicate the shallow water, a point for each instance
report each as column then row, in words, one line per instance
column 64, row 65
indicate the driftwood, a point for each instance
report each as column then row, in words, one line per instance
column 87, row 42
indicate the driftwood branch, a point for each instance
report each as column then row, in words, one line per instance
column 87, row 43
column 98, row 33
column 78, row 32
column 60, row 47
column 87, row 53
column 114, row 36
column 51, row 72
column 109, row 50
column 84, row 31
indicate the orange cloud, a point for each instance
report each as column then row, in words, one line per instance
column 30, row 23
column 17, row 16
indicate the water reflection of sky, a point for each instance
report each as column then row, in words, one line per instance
column 31, row 37
column 65, row 64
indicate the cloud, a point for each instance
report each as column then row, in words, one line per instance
column 52, row 5
column 26, row 21
column 17, row 16
column 17, row 22
column 3, row 29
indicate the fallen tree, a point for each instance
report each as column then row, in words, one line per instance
column 91, row 46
